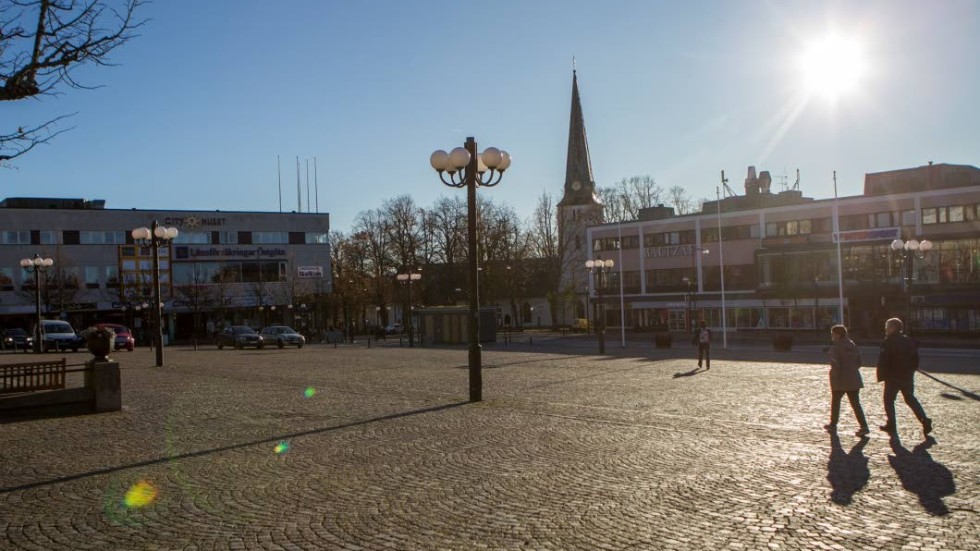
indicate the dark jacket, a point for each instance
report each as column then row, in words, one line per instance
column 845, row 366
column 696, row 338
column 898, row 359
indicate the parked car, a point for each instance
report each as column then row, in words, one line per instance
column 239, row 336
column 282, row 335
column 17, row 339
column 124, row 337
column 59, row 335
column 394, row 328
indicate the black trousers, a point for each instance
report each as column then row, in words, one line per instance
column 907, row 388
column 854, row 397
column 704, row 352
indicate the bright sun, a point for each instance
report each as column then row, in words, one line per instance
column 833, row 67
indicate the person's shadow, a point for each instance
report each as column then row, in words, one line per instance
column 847, row 472
column 922, row 475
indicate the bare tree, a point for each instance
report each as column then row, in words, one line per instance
column 42, row 42
column 624, row 199
column 680, row 200
column 546, row 244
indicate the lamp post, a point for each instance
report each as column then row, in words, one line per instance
column 153, row 237
column 465, row 168
column 691, row 281
column 600, row 268
column 909, row 251
column 406, row 279
column 37, row 265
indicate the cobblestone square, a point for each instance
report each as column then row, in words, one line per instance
column 358, row 448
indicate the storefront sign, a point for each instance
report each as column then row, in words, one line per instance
column 669, row 251
column 194, row 253
column 786, row 241
column 191, row 222
column 309, row 272
column 877, row 234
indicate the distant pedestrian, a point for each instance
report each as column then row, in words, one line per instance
column 897, row 364
column 845, row 378
column 702, row 339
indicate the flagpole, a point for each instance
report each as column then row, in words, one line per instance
column 840, row 264
column 622, row 306
column 721, row 259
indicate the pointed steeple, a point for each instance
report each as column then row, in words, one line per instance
column 579, row 185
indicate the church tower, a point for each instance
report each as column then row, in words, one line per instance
column 579, row 207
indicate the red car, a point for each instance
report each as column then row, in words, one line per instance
column 124, row 338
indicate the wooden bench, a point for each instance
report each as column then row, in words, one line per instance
column 30, row 376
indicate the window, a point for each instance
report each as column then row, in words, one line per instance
column 92, row 277
column 102, row 237
column 228, row 237
column 50, row 237
column 804, row 226
column 15, row 237
column 111, row 277
column 317, row 238
column 194, row 238
column 956, row 213
column 6, row 279
column 929, row 216
column 754, row 231
column 908, row 217
column 943, row 215
column 792, row 228
column 270, row 237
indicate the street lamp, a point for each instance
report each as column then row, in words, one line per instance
column 407, row 279
column 467, row 169
column 153, row 237
column 909, row 251
column 37, row 265
column 600, row 268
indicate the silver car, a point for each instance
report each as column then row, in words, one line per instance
column 283, row 335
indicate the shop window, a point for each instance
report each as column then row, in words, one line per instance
column 92, row 277
column 929, row 216
column 908, row 217
column 956, row 213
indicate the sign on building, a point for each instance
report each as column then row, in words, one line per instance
column 309, row 272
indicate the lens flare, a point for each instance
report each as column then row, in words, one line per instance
column 309, row 392
column 281, row 448
column 140, row 494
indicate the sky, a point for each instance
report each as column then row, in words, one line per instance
column 198, row 107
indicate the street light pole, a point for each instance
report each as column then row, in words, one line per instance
column 467, row 169
column 600, row 268
column 153, row 237
column 37, row 265
column 406, row 279
column 909, row 251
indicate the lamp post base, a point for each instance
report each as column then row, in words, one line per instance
column 476, row 375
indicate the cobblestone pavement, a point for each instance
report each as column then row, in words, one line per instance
column 356, row 448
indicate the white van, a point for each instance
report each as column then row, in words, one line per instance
column 59, row 335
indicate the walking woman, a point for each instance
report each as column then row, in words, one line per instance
column 845, row 378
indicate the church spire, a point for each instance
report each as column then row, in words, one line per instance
column 579, row 185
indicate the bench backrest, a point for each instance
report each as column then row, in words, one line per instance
column 25, row 377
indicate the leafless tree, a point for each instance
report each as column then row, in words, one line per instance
column 624, row 199
column 42, row 42
column 546, row 244
column 680, row 200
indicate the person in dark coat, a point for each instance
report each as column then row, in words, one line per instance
column 845, row 378
column 702, row 339
column 897, row 363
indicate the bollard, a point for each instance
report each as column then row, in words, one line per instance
column 195, row 344
column 334, row 345
column 369, row 342
column 530, row 341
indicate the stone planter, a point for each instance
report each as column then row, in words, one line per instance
column 99, row 342
column 663, row 340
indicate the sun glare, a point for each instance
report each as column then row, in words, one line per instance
column 833, row 67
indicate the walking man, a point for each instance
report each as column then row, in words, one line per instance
column 897, row 363
column 702, row 339
column 845, row 378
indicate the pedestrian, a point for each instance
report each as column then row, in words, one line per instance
column 702, row 339
column 845, row 378
column 897, row 363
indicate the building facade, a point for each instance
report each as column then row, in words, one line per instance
column 254, row 268
column 781, row 258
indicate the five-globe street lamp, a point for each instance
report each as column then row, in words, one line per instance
column 909, row 251
column 153, row 237
column 465, row 168
column 406, row 279
column 37, row 265
column 600, row 268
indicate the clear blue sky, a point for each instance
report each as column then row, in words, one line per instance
column 200, row 105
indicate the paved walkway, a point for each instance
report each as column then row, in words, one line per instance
column 356, row 448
